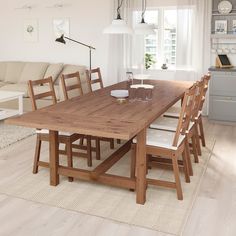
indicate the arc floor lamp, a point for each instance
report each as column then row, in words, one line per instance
column 62, row 40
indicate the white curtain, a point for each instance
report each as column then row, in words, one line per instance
column 193, row 35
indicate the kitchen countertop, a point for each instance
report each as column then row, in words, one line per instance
column 213, row 68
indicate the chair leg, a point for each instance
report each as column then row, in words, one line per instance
column 37, row 154
column 89, row 151
column 69, row 157
column 196, row 134
column 202, row 132
column 196, row 160
column 190, row 167
column 177, row 178
column 112, row 143
column 186, row 167
column 98, row 149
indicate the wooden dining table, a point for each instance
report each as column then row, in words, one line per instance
column 101, row 115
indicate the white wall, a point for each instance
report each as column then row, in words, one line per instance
column 87, row 20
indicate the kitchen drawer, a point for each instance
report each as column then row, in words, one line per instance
column 223, row 85
column 222, row 108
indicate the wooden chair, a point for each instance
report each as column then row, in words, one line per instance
column 67, row 87
column 43, row 134
column 91, row 80
column 69, row 83
column 94, row 77
column 170, row 145
column 198, row 118
column 170, row 124
column 174, row 111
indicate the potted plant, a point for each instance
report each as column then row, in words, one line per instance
column 149, row 60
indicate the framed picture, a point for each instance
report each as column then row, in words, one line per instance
column 234, row 27
column 30, row 30
column 221, row 26
column 61, row 26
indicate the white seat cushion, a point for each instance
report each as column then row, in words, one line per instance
column 161, row 138
column 173, row 112
column 46, row 131
column 167, row 123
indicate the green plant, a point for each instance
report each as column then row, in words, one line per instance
column 149, row 60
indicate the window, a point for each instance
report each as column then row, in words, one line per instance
column 163, row 45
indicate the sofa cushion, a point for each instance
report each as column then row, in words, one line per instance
column 13, row 72
column 16, row 87
column 53, row 70
column 44, row 89
column 3, row 70
column 68, row 69
column 2, row 83
column 33, row 71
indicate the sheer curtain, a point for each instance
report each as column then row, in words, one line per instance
column 193, row 35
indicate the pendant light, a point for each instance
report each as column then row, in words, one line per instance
column 143, row 28
column 118, row 25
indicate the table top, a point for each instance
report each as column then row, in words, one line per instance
column 99, row 114
column 9, row 94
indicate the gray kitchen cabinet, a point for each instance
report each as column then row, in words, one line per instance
column 222, row 91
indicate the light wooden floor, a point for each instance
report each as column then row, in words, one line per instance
column 213, row 214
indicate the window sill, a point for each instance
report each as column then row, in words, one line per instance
column 170, row 69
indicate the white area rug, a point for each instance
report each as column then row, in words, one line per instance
column 162, row 211
column 10, row 134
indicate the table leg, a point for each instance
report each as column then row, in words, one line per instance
column 141, row 181
column 20, row 105
column 54, row 157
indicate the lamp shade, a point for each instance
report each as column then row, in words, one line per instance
column 118, row 26
column 61, row 39
column 144, row 29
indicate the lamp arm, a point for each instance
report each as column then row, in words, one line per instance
column 88, row 46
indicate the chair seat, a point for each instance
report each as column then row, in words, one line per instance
column 161, row 138
column 175, row 111
column 46, row 131
column 167, row 123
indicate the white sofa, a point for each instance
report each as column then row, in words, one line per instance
column 15, row 74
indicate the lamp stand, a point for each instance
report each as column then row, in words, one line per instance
column 61, row 40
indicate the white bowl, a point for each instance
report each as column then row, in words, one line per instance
column 120, row 93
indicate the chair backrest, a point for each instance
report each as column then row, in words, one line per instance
column 71, row 82
column 185, row 114
column 198, row 99
column 45, row 83
column 205, row 79
column 94, row 77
